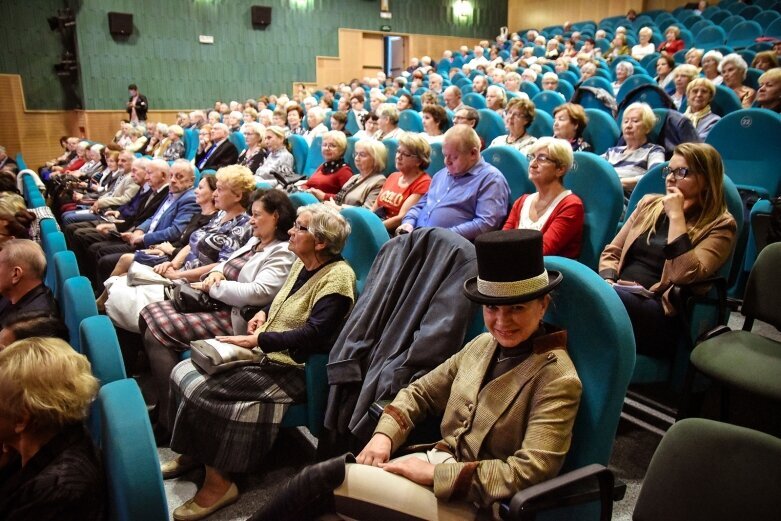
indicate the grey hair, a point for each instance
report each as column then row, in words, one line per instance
column 327, row 225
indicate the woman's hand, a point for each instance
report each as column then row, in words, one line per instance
column 317, row 193
column 245, row 341
column 255, row 322
column 213, row 279
column 673, row 203
column 111, row 213
column 153, row 251
column 166, row 248
column 376, row 452
column 414, row 469
column 332, row 204
column 164, row 267
column 77, row 196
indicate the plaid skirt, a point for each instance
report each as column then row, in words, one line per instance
column 230, row 420
column 176, row 330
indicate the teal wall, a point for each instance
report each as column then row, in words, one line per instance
column 175, row 71
column 29, row 48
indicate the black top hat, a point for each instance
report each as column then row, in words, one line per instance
column 510, row 268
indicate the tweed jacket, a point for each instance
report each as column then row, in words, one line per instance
column 687, row 261
column 124, row 190
column 507, row 435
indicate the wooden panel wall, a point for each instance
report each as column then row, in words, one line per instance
column 523, row 14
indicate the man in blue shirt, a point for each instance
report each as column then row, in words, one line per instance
column 468, row 196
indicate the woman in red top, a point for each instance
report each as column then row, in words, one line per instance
column 553, row 210
column 329, row 177
column 673, row 42
column 404, row 188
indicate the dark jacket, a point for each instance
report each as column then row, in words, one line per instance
column 39, row 298
column 226, row 154
column 142, row 106
column 144, row 210
column 421, row 302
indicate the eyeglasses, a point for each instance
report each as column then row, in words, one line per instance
column 405, row 155
column 297, row 226
column 329, row 145
column 678, row 173
column 540, row 159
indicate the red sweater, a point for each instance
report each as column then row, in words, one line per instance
column 562, row 233
column 330, row 184
column 671, row 47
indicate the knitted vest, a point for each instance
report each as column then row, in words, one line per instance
column 292, row 311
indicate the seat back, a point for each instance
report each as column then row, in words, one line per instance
column 725, row 101
column 391, row 144
column 300, row 149
column 601, row 131
column 763, row 300
column 631, row 83
column 190, row 143
column 78, row 303
column 366, row 238
column 595, row 181
column 529, row 88
column 744, row 33
column 135, row 483
column 237, row 138
column 352, row 125
column 514, row 167
column 711, row 36
column 548, row 100
column 542, row 124
column 705, row 470
column 602, row 347
column 748, row 142
column 437, row 160
column 100, row 345
column 52, row 243
column 598, row 82
column 490, row 126
column 65, row 267
column 411, row 121
column 314, row 157
column 565, row 88
column 349, row 152
column 774, row 29
column 300, row 199
column 474, row 100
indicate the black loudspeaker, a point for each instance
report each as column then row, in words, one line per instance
column 120, row 24
column 261, row 16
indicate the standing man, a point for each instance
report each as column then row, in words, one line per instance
column 137, row 105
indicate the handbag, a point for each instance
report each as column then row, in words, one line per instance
column 142, row 275
column 187, row 299
column 215, row 357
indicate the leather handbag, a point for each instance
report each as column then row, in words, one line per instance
column 187, row 299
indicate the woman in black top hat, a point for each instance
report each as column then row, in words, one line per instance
column 508, row 401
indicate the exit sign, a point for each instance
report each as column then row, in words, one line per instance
column 385, row 28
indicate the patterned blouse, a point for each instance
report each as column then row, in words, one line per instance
column 216, row 241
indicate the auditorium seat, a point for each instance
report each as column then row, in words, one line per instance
column 601, row 131
column 65, row 267
column 514, row 166
column 490, row 126
column 410, row 121
column 548, row 100
column 78, row 303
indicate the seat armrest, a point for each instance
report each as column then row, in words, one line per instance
column 716, row 331
column 573, row 488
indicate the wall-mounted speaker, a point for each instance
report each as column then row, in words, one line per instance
column 261, row 16
column 120, row 24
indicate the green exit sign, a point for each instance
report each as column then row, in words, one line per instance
column 385, row 28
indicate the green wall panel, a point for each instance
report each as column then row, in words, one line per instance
column 175, row 71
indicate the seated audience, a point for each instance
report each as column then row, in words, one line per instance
column 29, row 324
column 733, row 69
column 496, row 99
column 672, row 41
column 617, row 48
column 637, row 156
column 404, row 188
column 679, row 238
column 552, row 209
column 512, row 82
column 452, row 97
column 569, row 122
column 694, row 57
column 388, row 122
column 520, row 114
column 204, row 142
column 682, row 75
column 23, row 266
column 623, row 71
column 314, row 119
column 294, row 115
column 339, row 122
column 769, row 92
column 404, row 102
column 15, row 220
column 699, row 94
column 664, row 73
column 138, row 139
column 468, row 196
column 304, row 318
column 175, row 149
column 363, row 188
column 507, row 446
column 434, row 123
column 645, row 46
column 51, row 469
column 765, row 61
column 252, row 156
column 6, row 161
column 221, row 152
column 159, row 141
column 710, row 66
column 279, row 165
column 331, row 176
column 370, row 125
column 550, row 81
column 358, row 106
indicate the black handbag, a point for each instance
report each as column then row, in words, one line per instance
column 187, row 299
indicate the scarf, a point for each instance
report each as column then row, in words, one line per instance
column 329, row 167
column 696, row 117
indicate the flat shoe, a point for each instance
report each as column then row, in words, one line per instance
column 191, row 511
column 174, row 468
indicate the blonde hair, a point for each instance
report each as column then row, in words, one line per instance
column 646, row 115
column 338, row 137
column 701, row 159
column 576, row 113
column 176, row 129
column 702, row 82
column 417, row 145
column 558, row 149
column 326, row 224
column 390, row 111
column 239, row 180
column 685, row 69
column 46, row 380
column 376, row 151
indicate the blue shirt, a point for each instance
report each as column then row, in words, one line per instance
column 171, row 199
column 470, row 204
